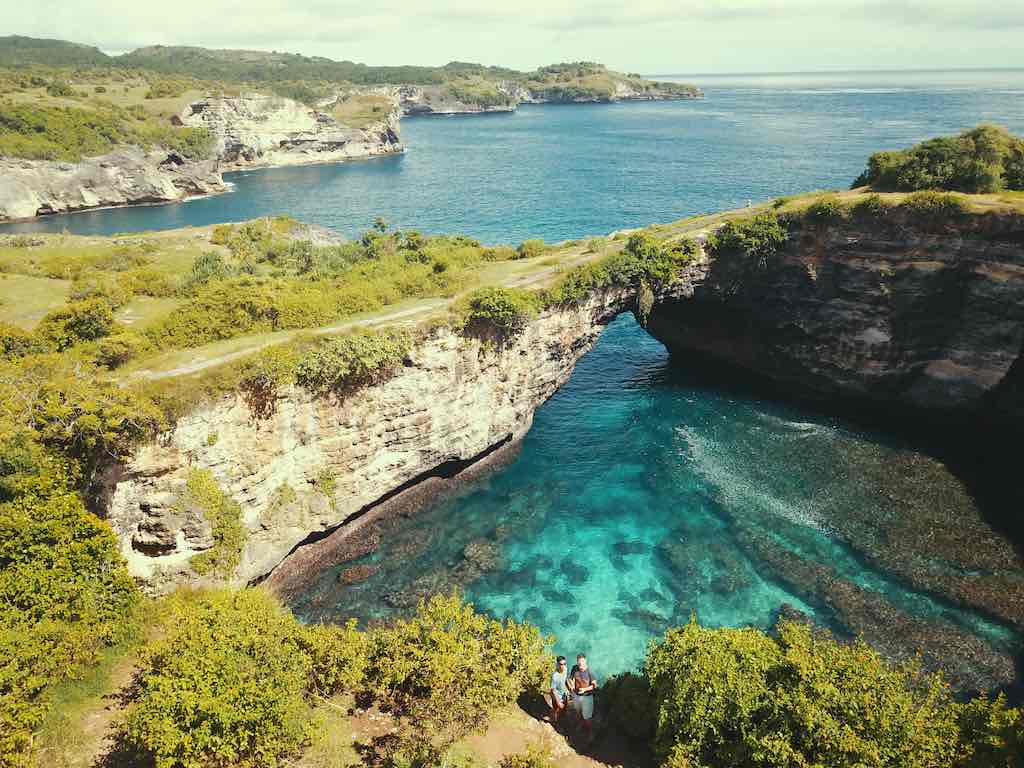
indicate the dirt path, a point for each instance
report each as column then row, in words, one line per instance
column 515, row 274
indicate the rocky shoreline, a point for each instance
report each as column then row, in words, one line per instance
column 127, row 176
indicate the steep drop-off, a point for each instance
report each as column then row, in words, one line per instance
column 130, row 175
column 317, row 462
column 894, row 309
column 259, row 130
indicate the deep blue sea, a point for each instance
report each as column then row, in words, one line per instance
column 644, row 492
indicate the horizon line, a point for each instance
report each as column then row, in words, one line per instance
column 883, row 70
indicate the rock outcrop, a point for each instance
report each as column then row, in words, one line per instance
column 259, row 130
column 437, row 100
column 126, row 176
column 885, row 310
column 317, row 462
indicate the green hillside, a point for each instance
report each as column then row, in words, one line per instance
column 16, row 51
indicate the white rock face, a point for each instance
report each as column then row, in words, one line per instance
column 317, row 461
column 126, row 176
column 258, row 130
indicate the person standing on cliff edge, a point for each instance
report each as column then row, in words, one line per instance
column 559, row 690
column 584, row 684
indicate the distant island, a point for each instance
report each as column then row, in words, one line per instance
column 169, row 120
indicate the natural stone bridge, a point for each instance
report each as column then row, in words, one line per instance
column 888, row 314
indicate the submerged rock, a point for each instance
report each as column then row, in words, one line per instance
column 574, row 572
column 629, row 547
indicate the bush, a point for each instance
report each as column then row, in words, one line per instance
column 225, row 686
column 15, row 342
column 984, row 159
column 449, row 668
column 871, row 207
column 758, row 239
column 824, row 210
column 934, row 205
column 991, row 733
column 339, row 656
column 534, row 757
column 353, row 360
column 529, row 249
column 741, row 698
column 225, row 518
column 505, row 310
column 630, row 705
column 69, row 407
column 105, row 287
column 76, row 322
column 116, row 350
column 64, row 590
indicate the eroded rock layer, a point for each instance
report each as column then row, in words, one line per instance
column 897, row 312
column 317, row 462
column 130, row 175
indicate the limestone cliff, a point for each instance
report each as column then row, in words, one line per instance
column 126, row 176
column 887, row 310
column 317, row 462
column 259, row 130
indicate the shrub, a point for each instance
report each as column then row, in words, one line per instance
column 76, row 322
column 533, row 757
column 824, row 210
column 105, row 287
column 529, row 249
column 60, row 88
column 871, row 207
column 991, row 734
column 353, row 360
column 339, row 656
column 207, row 266
column 163, row 89
column 449, row 668
column 934, row 205
column 16, row 342
column 225, row 518
column 116, row 350
column 758, row 239
column 225, row 686
column 984, row 159
column 498, row 253
column 71, row 408
column 741, row 698
column 64, row 590
column 630, row 706
column 505, row 310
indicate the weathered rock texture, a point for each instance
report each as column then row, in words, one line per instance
column 317, row 462
column 126, row 176
column 436, row 100
column 254, row 130
column 887, row 310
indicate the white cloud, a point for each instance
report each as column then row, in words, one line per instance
column 645, row 35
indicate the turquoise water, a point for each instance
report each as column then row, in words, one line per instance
column 633, row 503
column 642, row 493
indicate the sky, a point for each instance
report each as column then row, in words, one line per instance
column 646, row 36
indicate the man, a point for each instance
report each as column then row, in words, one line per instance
column 583, row 684
column 559, row 690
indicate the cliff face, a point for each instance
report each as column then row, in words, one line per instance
column 257, row 130
column 435, row 100
column 126, row 176
column 888, row 311
column 317, row 462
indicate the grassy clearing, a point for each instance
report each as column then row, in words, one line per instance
column 25, row 299
column 362, row 109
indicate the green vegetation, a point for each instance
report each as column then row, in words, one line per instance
column 202, row 493
column 740, row 697
column 41, row 132
column 18, row 51
column 353, row 360
column 506, row 311
column 643, row 261
column 65, row 594
column 236, row 676
column 982, row 160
